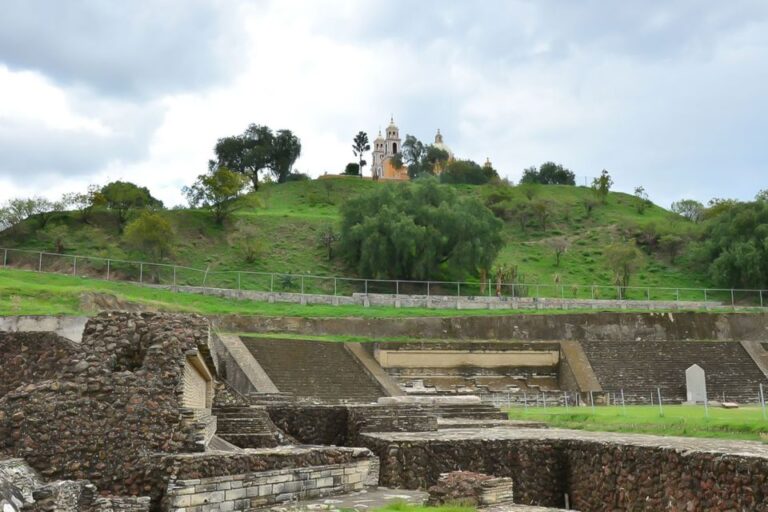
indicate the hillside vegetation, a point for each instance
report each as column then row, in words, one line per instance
column 279, row 229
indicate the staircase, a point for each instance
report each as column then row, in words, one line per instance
column 324, row 371
column 470, row 411
column 640, row 367
column 247, row 427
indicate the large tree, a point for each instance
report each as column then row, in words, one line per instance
column 248, row 153
column 124, row 197
column 286, row 149
column 418, row 231
column 150, row 233
column 736, row 246
column 360, row 146
column 548, row 173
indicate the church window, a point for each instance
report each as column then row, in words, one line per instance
column 394, row 147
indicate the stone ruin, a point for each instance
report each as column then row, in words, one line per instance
column 155, row 412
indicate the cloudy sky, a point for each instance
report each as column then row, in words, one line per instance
column 670, row 95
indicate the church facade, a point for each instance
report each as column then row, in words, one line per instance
column 386, row 147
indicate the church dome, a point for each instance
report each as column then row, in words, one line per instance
column 442, row 145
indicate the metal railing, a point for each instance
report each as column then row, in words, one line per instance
column 142, row 272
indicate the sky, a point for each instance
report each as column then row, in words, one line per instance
column 671, row 95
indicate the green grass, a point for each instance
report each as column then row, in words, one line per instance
column 399, row 506
column 677, row 420
column 284, row 222
column 31, row 293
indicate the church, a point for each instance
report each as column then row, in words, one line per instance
column 385, row 148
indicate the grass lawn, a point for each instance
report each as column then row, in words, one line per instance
column 406, row 507
column 678, row 420
column 31, row 293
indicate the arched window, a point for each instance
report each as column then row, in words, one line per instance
column 394, row 147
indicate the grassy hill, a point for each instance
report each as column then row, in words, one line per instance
column 282, row 223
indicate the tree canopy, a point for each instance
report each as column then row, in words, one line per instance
column 548, row 173
column 151, row 233
column 258, row 149
column 360, row 146
column 467, row 171
column 418, row 231
column 217, row 190
column 736, row 244
column 124, row 197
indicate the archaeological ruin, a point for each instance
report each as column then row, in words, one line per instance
column 171, row 412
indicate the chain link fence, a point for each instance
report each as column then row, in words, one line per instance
column 164, row 274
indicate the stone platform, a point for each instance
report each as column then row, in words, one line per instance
column 592, row 468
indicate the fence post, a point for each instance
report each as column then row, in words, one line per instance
column 458, row 289
column 40, row 263
column 565, row 396
column 74, row 267
column 271, row 283
column 762, row 401
column 428, row 289
column 705, row 295
column 5, row 258
column 238, row 281
column 593, row 291
column 141, row 273
column 592, row 402
column 661, row 406
column 733, row 301
column 397, row 288
column 648, row 294
column 761, row 298
column 489, row 286
column 302, row 285
column 108, row 269
column 623, row 405
column 677, row 294
column 334, row 286
column 174, row 275
column 366, row 287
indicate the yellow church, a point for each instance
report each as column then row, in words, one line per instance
column 385, row 148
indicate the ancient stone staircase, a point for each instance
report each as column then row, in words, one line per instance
column 640, row 367
column 247, row 427
column 325, row 371
column 478, row 411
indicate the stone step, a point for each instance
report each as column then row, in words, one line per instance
column 250, row 440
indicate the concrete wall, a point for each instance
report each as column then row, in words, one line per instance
column 70, row 327
column 577, row 326
column 456, row 358
column 442, row 301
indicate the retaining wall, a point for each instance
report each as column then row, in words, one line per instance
column 612, row 326
column 598, row 471
column 70, row 327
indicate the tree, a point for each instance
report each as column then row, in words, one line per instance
column 285, row 150
column 549, row 173
column 19, row 209
column 689, row 208
column 217, row 191
column 352, row 169
column 762, row 195
column 124, row 197
column 57, row 236
column 602, row 185
column 360, row 146
column 418, row 232
column 328, row 236
column 623, row 259
column 736, row 246
column 559, row 246
column 413, row 152
column 150, row 233
column 643, row 202
column 248, row 153
column 84, row 202
column 467, row 171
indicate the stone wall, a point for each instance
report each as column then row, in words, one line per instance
column 30, row 357
column 598, row 471
column 579, row 326
column 115, row 403
column 247, row 491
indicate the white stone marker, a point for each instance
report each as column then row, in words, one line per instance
column 696, row 385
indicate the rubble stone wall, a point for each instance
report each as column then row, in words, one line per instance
column 29, row 357
column 113, row 402
column 598, row 476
